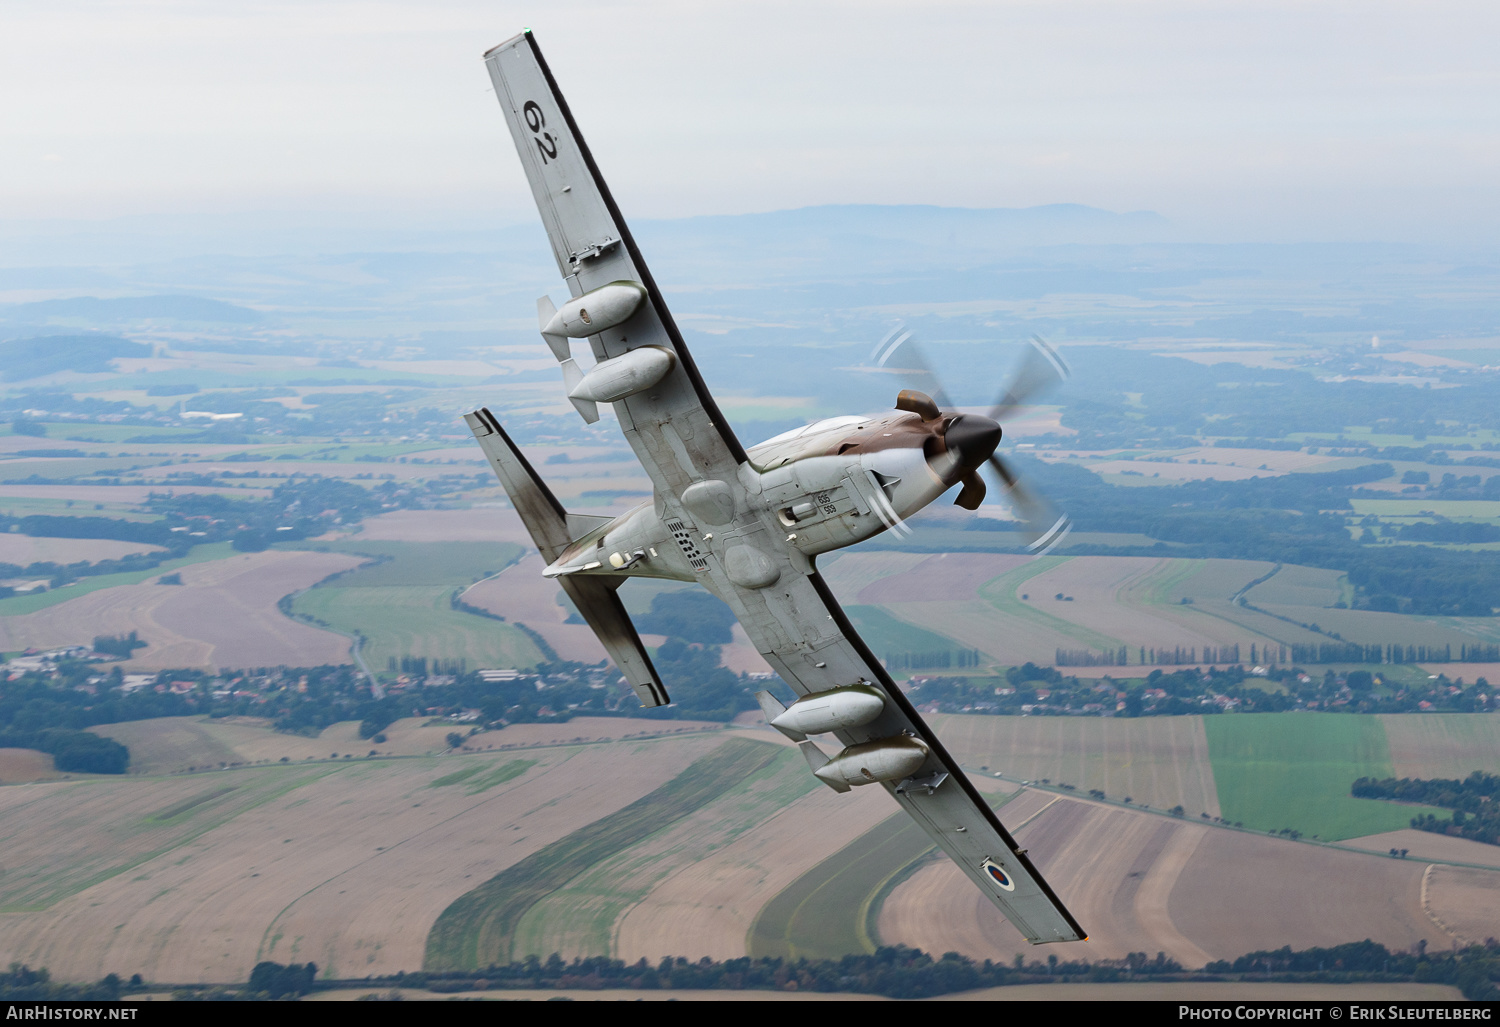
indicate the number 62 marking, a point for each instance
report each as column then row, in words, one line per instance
column 536, row 121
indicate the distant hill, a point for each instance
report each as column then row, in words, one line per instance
column 23, row 359
column 863, row 238
column 128, row 309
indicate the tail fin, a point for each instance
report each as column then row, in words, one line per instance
column 552, row 528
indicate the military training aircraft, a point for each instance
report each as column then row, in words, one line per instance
column 748, row 525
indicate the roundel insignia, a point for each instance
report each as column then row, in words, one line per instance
column 997, row 874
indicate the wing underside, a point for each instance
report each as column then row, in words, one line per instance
column 939, row 796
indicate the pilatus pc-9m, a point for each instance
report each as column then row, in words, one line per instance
column 749, row 525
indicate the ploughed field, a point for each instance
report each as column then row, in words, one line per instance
column 1159, row 611
column 690, row 839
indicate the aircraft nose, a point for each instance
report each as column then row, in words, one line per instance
column 973, row 437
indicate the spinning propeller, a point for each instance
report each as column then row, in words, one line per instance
column 975, row 438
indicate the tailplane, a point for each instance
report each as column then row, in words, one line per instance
column 552, row 528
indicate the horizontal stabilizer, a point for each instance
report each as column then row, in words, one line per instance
column 539, row 509
column 601, row 608
column 552, row 528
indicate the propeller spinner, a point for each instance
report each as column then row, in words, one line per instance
column 975, row 438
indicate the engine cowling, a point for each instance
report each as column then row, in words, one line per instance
column 832, row 710
column 887, row 759
column 598, row 309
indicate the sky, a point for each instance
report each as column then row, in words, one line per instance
column 1239, row 121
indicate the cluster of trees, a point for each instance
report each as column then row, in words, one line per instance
column 120, row 646
column 1474, row 970
column 897, row 971
column 23, row 984
column 1475, row 802
column 1194, row 690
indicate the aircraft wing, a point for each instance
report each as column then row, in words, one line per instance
column 800, row 628
column 696, row 464
column 675, row 428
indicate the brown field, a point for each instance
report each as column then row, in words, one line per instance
column 1218, row 464
column 520, row 593
column 1009, row 640
column 1427, row 846
column 850, row 573
column 19, row 766
column 1188, row 991
column 1141, row 882
column 1158, row 761
column 479, row 524
column 707, row 907
column 132, row 494
column 223, row 614
column 1449, row 745
column 319, row 468
column 24, row 550
column 173, row 745
column 943, row 578
column 1464, row 901
column 1117, row 596
column 583, row 917
column 344, row 864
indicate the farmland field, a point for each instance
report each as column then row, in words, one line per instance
column 196, row 877
column 416, row 620
column 224, row 614
column 1141, row 881
column 1451, row 745
column 486, row 924
column 23, row 549
column 582, row 918
column 18, row 605
column 823, row 914
column 1159, row 761
column 1276, row 770
column 889, row 637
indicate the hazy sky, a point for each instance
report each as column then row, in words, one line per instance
column 1238, row 120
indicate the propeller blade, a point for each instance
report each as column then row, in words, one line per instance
column 1041, row 368
column 899, row 354
column 1046, row 526
column 972, row 493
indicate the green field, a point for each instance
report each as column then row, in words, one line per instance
column 1276, row 770
column 108, row 849
column 1001, row 594
column 583, row 916
column 828, row 911
column 419, row 563
column 402, row 603
column 478, row 928
column 416, row 620
column 1453, row 509
column 887, row 634
column 41, row 600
